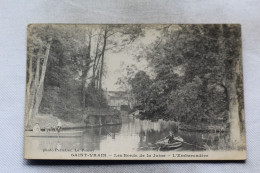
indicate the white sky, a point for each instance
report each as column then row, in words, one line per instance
column 127, row 56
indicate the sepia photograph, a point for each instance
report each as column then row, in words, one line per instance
column 134, row 92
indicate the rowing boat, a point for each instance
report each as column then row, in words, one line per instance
column 54, row 134
column 164, row 145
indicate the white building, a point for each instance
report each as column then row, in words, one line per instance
column 119, row 100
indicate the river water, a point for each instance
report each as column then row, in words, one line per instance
column 133, row 135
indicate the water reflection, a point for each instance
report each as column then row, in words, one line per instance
column 132, row 135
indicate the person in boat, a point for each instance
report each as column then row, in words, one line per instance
column 171, row 138
column 59, row 126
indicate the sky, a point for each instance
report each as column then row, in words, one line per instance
column 128, row 57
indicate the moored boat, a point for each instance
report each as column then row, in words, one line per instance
column 164, row 145
column 54, row 134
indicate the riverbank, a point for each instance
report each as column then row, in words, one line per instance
column 89, row 118
column 48, row 120
column 203, row 127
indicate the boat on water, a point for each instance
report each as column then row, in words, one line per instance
column 164, row 145
column 54, row 134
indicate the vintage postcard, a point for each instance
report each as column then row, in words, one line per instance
column 134, row 92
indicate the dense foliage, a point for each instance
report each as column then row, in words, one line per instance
column 196, row 70
column 66, row 66
column 195, row 67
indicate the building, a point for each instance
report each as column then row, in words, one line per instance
column 119, row 100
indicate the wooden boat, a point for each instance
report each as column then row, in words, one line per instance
column 54, row 134
column 164, row 145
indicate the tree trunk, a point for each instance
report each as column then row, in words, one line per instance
column 37, row 89
column 85, row 73
column 28, row 89
column 231, row 91
column 83, row 95
column 102, row 60
column 39, row 93
column 33, row 91
column 94, row 65
column 234, row 111
column 97, row 80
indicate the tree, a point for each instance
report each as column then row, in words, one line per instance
column 64, row 69
column 38, row 50
column 103, row 57
column 109, row 35
column 141, row 87
column 187, row 54
column 127, row 73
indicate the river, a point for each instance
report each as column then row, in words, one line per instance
column 132, row 135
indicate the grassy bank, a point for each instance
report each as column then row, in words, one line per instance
column 46, row 120
column 74, row 119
